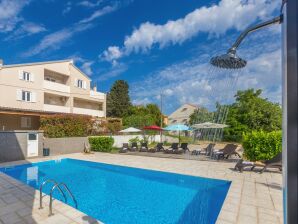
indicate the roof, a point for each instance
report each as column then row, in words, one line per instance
column 48, row 62
column 37, row 63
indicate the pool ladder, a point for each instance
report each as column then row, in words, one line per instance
column 55, row 186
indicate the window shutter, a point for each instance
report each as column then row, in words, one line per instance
column 33, row 97
column 20, row 75
column 23, row 122
column 76, row 82
column 84, row 84
column 19, row 94
column 31, row 77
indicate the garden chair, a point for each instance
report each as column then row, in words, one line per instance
column 159, row 147
column 144, row 147
column 124, row 148
column 226, row 152
column 174, row 147
column 275, row 162
column 184, row 147
column 134, row 147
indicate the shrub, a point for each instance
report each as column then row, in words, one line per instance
column 260, row 145
column 101, row 143
column 58, row 126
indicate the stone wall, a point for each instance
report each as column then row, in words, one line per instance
column 65, row 145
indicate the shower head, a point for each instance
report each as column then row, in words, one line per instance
column 229, row 61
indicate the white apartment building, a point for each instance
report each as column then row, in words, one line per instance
column 182, row 114
column 54, row 87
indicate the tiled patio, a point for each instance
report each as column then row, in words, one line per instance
column 252, row 198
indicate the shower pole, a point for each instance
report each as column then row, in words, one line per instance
column 290, row 111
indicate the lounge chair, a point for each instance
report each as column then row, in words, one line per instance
column 158, row 148
column 207, row 151
column 226, row 152
column 241, row 164
column 275, row 162
column 173, row 149
column 184, row 147
column 144, row 147
column 124, row 148
column 134, row 147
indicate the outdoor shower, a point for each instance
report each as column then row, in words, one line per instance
column 230, row 60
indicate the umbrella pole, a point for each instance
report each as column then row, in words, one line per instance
column 179, row 137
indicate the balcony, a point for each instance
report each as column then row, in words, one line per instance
column 91, row 112
column 56, row 108
column 97, row 95
column 55, row 86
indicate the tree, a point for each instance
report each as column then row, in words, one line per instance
column 140, row 116
column 251, row 112
column 118, row 100
column 201, row 115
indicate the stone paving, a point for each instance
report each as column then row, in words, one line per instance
column 252, row 197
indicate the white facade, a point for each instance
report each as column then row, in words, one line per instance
column 54, row 86
column 182, row 114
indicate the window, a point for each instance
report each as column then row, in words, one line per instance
column 25, row 122
column 26, row 76
column 26, row 96
column 80, row 84
column 184, row 109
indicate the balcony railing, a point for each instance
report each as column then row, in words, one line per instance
column 56, row 86
column 56, row 108
column 95, row 113
column 97, row 95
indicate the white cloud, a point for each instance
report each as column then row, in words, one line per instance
column 67, row 8
column 89, row 4
column 215, row 20
column 98, row 13
column 55, row 40
column 26, row 29
column 9, row 13
column 111, row 54
column 113, row 72
column 86, row 67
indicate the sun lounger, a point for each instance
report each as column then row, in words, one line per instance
column 172, row 149
column 226, row 152
column 184, row 147
column 208, row 150
column 275, row 162
column 144, row 147
column 124, row 148
column 134, row 147
column 158, row 148
column 241, row 164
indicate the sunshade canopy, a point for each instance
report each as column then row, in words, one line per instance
column 209, row 125
column 130, row 129
column 153, row 127
column 177, row 127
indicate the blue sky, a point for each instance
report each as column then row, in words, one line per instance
column 157, row 46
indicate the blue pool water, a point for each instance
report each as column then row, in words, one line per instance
column 118, row 194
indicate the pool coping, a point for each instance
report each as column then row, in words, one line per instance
column 250, row 199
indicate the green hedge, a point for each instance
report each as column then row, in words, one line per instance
column 58, row 126
column 260, row 145
column 101, row 143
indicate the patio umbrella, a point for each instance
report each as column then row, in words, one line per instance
column 177, row 127
column 154, row 128
column 130, row 130
column 209, row 125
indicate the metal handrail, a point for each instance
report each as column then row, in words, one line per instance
column 51, row 196
column 40, row 191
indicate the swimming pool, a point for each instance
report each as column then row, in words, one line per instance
column 117, row 194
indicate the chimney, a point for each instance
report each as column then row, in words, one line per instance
column 1, row 62
column 95, row 88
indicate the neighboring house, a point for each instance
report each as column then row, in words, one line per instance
column 54, row 87
column 182, row 114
